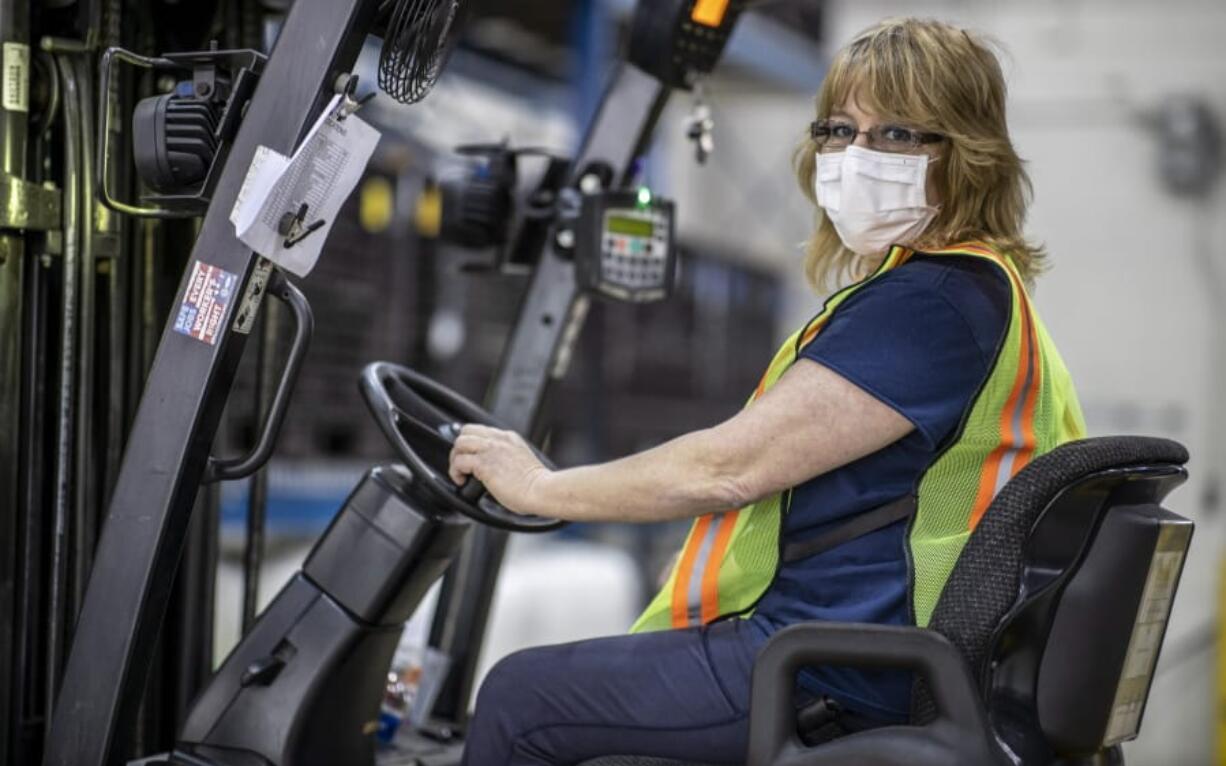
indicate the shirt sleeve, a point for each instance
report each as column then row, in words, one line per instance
column 905, row 341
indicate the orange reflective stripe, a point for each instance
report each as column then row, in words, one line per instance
column 1028, row 436
column 685, row 570
column 811, row 333
column 710, row 576
column 1023, row 441
column 1020, row 440
column 987, row 486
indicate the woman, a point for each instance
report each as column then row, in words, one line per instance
column 874, row 445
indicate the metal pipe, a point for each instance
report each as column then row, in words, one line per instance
column 85, row 506
column 28, row 657
column 148, row 317
column 117, row 283
column 43, row 129
column 14, row 28
column 62, row 506
column 14, row 421
column 27, row 688
column 31, row 502
column 31, row 582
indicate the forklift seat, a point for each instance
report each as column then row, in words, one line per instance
column 1042, row 647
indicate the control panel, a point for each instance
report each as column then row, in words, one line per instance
column 625, row 246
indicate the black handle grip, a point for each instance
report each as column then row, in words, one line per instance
column 472, row 490
column 960, row 734
column 237, row 468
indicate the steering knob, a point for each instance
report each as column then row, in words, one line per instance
column 472, row 490
column 422, row 419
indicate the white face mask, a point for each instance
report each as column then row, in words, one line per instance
column 874, row 199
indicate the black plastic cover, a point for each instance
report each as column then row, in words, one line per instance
column 321, row 707
column 1108, row 628
column 382, row 551
column 305, row 685
column 173, row 141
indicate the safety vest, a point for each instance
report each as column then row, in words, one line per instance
column 1026, row 407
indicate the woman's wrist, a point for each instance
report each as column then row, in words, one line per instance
column 542, row 494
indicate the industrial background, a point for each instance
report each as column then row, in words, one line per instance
column 1116, row 105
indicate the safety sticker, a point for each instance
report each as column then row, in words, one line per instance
column 204, row 304
column 16, row 77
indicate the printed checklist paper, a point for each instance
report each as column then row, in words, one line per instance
column 315, row 183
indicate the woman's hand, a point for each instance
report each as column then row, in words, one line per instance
column 503, row 462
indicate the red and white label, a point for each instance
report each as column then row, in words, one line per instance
column 203, row 311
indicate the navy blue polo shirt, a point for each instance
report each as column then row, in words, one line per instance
column 922, row 339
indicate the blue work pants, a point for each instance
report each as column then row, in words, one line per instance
column 680, row 694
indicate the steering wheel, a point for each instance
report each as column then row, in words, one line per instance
column 422, row 418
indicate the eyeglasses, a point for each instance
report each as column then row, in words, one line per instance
column 837, row 135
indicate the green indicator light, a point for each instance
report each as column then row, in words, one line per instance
column 644, row 196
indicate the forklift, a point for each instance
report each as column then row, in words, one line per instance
column 604, row 237
column 1042, row 647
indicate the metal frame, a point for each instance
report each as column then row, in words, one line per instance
column 64, row 485
column 147, row 521
column 15, row 430
column 538, row 352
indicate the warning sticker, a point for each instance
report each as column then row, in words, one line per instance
column 204, row 305
column 16, row 84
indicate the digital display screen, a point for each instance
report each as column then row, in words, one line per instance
column 632, row 227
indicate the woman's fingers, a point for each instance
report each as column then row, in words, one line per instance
column 500, row 459
column 462, row 466
column 472, row 442
column 469, row 443
column 473, row 429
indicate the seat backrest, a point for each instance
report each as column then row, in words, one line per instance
column 1060, row 598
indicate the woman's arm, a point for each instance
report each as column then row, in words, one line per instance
column 810, row 422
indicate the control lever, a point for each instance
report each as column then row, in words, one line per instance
column 472, row 489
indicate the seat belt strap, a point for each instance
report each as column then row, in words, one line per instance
column 858, row 526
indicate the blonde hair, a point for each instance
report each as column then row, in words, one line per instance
column 939, row 78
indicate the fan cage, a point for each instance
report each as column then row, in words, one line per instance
column 414, row 47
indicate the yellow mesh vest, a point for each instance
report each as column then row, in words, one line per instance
column 1027, row 406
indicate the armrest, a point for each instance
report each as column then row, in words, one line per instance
column 958, row 735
